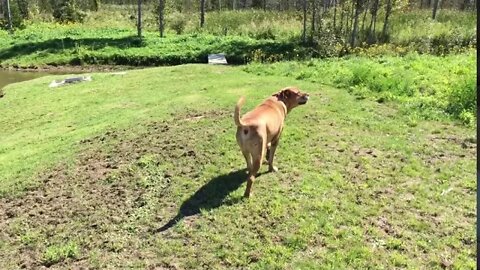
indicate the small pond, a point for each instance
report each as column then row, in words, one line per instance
column 13, row 76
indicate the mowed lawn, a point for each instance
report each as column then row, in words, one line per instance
column 142, row 170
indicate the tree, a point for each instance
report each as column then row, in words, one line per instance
column 9, row 15
column 139, row 19
column 202, row 12
column 358, row 5
column 365, row 11
column 435, row 9
column 304, row 36
column 161, row 21
column 373, row 23
column 334, row 13
column 96, row 4
column 388, row 12
column 314, row 19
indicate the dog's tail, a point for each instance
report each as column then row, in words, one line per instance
column 236, row 116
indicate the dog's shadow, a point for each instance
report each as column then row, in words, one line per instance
column 209, row 196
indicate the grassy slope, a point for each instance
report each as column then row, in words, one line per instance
column 359, row 186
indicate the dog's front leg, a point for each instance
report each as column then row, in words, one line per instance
column 271, row 154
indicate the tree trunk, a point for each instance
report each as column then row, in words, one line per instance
column 353, row 39
column 388, row 11
column 365, row 11
column 202, row 12
column 435, row 9
column 139, row 21
column 304, row 36
column 342, row 16
column 347, row 19
column 161, row 22
column 334, row 14
column 349, row 25
column 373, row 21
column 9, row 17
column 96, row 5
column 314, row 19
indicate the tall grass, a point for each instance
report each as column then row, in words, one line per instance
column 429, row 86
column 413, row 28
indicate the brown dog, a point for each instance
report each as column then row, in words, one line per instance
column 262, row 127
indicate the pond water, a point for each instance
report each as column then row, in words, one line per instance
column 12, row 76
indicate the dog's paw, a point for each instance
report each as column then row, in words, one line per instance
column 273, row 169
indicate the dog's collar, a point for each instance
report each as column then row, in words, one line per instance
column 284, row 105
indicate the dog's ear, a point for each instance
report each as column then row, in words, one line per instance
column 283, row 94
column 287, row 93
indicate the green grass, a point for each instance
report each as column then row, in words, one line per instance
column 426, row 86
column 91, row 173
column 46, row 44
column 54, row 254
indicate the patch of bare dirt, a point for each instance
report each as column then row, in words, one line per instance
column 465, row 148
column 92, row 201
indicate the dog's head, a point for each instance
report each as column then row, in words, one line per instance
column 292, row 97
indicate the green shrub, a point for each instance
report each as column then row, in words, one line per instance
column 177, row 22
column 66, row 11
column 462, row 99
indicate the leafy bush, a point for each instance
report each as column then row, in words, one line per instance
column 177, row 22
column 66, row 11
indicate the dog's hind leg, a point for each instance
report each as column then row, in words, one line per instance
column 248, row 160
column 268, row 154
column 257, row 156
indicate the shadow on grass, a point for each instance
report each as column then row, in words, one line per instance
column 209, row 196
column 60, row 44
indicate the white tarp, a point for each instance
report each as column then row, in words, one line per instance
column 217, row 59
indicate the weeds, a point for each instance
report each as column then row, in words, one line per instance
column 56, row 253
